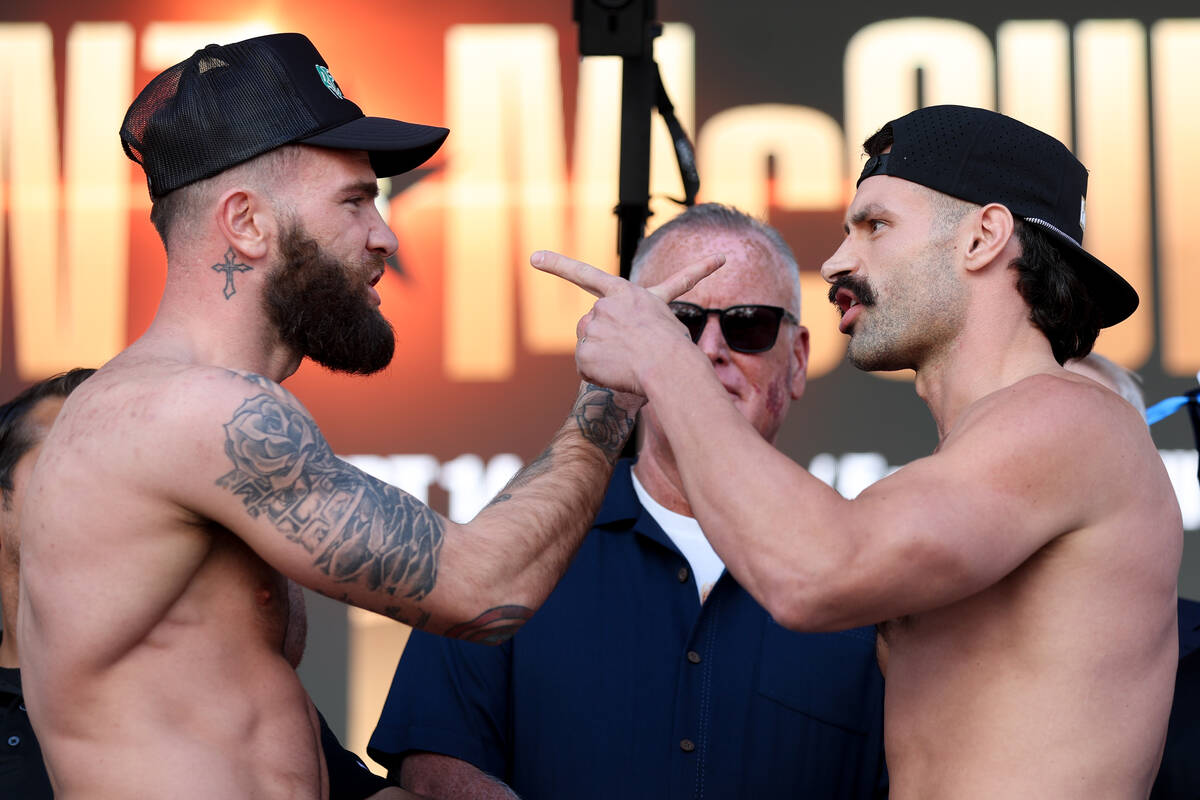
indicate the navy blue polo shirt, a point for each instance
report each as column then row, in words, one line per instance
column 22, row 773
column 623, row 685
column 1179, row 774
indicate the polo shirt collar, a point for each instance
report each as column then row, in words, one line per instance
column 622, row 512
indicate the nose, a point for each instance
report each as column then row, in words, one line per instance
column 842, row 262
column 380, row 238
column 712, row 341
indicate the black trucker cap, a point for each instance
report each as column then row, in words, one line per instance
column 229, row 103
column 984, row 157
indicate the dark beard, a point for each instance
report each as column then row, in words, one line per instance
column 320, row 313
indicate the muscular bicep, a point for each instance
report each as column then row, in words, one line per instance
column 272, row 479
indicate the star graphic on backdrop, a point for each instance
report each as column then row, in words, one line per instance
column 398, row 185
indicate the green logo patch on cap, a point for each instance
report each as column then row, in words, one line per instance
column 330, row 83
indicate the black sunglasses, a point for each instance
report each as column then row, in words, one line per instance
column 747, row 329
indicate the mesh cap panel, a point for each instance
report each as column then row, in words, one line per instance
column 227, row 104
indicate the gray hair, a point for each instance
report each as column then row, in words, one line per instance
column 1124, row 382
column 717, row 216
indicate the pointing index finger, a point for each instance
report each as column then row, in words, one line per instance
column 585, row 276
column 686, row 278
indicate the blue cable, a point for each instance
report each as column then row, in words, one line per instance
column 1165, row 408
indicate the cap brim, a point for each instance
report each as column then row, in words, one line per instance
column 394, row 146
column 1112, row 293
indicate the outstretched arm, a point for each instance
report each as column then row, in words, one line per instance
column 275, row 482
column 1021, row 471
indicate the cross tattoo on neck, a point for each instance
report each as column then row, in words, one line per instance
column 229, row 266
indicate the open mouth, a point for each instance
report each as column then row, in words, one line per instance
column 845, row 300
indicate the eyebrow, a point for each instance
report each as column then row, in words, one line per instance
column 863, row 214
column 369, row 188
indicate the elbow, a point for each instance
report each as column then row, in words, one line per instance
column 494, row 626
column 804, row 603
column 818, row 599
column 805, row 613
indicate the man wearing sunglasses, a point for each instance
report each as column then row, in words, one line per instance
column 649, row 672
column 1024, row 574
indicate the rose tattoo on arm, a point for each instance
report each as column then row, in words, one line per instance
column 601, row 421
column 358, row 529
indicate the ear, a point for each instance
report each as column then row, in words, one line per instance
column 800, row 354
column 990, row 235
column 247, row 222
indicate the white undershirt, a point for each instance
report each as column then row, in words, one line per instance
column 686, row 534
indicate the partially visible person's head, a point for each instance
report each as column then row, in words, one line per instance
column 24, row 423
column 969, row 157
column 1125, row 382
column 26, row 419
column 760, row 270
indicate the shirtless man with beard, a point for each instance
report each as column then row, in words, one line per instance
column 1024, row 574
column 181, row 487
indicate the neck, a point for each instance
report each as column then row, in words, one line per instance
column 659, row 475
column 981, row 360
column 205, row 327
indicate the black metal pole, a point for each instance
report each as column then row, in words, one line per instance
column 637, row 104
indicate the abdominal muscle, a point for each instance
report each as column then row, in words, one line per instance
column 205, row 706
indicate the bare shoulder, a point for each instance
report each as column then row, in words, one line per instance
column 153, row 393
column 1068, row 435
column 165, row 427
column 174, row 400
column 1050, row 411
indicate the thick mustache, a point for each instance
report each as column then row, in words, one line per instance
column 856, row 286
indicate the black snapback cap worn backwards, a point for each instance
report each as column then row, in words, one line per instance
column 229, row 103
column 984, row 157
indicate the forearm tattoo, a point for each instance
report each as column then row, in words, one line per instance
column 601, row 421
column 357, row 528
column 523, row 477
column 492, row 626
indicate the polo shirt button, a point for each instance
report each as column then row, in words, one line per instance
column 687, row 745
column 13, row 741
column 682, row 574
column 693, row 656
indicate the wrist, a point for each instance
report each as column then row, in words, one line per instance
column 605, row 417
column 671, row 367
